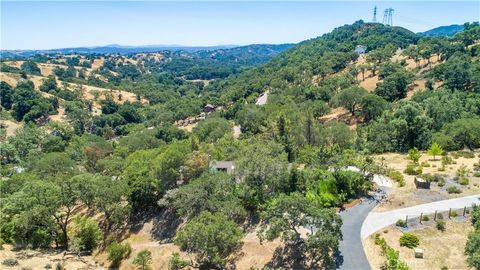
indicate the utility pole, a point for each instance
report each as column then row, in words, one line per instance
column 388, row 16
column 375, row 14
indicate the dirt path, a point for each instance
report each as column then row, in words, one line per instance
column 262, row 99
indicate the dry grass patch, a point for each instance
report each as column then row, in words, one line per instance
column 440, row 248
column 409, row 195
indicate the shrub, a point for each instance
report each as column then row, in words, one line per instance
column 453, row 189
column 433, row 178
column 463, row 171
column 117, row 252
column 425, row 218
column 441, row 225
column 425, row 164
column 439, row 216
column 463, row 181
column 85, row 233
column 397, row 177
column 441, row 182
column 48, row 266
column 10, row 262
column 401, row 223
column 411, row 169
column 176, row 262
column 453, row 214
column 414, row 155
column 466, row 154
column 446, row 160
column 444, row 268
column 143, row 259
column 409, row 240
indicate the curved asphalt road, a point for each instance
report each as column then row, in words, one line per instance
column 378, row 220
column 352, row 256
column 359, row 223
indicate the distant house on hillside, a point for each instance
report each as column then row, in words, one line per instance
column 360, row 49
column 223, row 166
column 209, row 108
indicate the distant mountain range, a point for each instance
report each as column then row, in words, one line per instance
column 112, row 49
column 447, row 31
column 444, row 31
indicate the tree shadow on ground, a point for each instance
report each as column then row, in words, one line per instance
column 287, row 257
column 165, row 225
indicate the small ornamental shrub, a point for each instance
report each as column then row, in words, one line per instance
column 401, row 223
column 409, row 240
column 411, row 169
column 441, row 182
column 397, row 177
column 441, row 225
column 454, row 214
column 446, row 160
column 425, row 218
column 453, row 189
column 463, row 181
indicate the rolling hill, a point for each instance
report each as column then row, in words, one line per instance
column 443, row 31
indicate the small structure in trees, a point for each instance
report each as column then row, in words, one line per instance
column 360, row 49
column 422, row 183
column 223, row 166
column 209, row 108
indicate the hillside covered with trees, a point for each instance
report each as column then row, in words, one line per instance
column 119, row 157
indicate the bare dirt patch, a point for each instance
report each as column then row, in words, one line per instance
column 342, row 115
column 35, row 259
column 10, row 127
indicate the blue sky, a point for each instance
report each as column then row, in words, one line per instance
column 59, row 24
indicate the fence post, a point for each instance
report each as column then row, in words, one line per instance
column 449, row 213
column 435, row 217
column 406, row 220
column 464, row 210
column 421, row 216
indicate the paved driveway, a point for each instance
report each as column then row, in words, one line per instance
column 352, row 255
column 378, row 220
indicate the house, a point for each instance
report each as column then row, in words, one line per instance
column 223, row 166
column 360, row 49
column 209, row 108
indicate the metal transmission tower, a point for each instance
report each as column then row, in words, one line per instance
column 375, row 14
column 388, row 16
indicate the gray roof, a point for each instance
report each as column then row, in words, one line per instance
column 223, row 164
